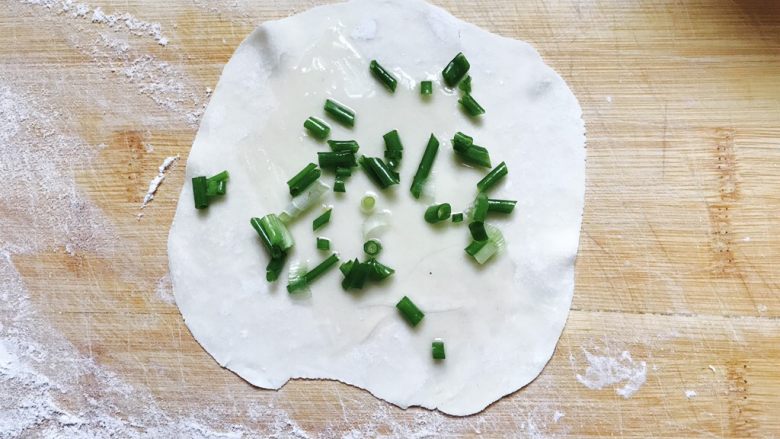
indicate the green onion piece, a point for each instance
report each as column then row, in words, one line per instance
column 340, row 112
column 426, row 88
column 317, row 128
column 322, row 219
column 303, row 179
column 457, row 217
column 461, row 142
column 437, row 349
column 303, row 202
column 438, row 213
column 345, row 267
column 482, row 251
column 378, row 271
column 368, row 202
column 394, row 149
column 478, row 232
column 501, row 206
column 323, row 243
column 465, row 85
column 356, row 276
column 424, row 170
column 343, row 172
column 274, row 234
column 332, row 160
column 456, row 70
column 379, row 172
column 343, row 145
column 200, row 192
column 215, row 188
column 383, row 76
column 217, row 184
column 339, row 186
column 409, row 311
column 372, row 247
column 475, row 155
column 493, row 177
column 481, row 206
column 471, row 105
column 312, row 275
column 274, row 268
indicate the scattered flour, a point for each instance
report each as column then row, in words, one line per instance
column 158, row 179
column 690, row 394
column 164, row 289
column 96, row 15
column 605, row 370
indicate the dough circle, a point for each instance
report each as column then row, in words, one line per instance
column 500, row 322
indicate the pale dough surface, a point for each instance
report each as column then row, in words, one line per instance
column 500, row 322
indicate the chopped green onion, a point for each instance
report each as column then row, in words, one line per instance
column 296, row 277
column 461, row 142
column 465, row 85
column 274, row 234
column 343, row 145
column 200, row 192
column 313, row 274
column 438, row 213
column 356, row 276
column 376, row 224
column 345, row 267
column 343, row 172
column 303, row 179
column 215, row 188
column 426, row 88
column 340, row 112
column 481, row 206
column 475, row 155
column 332, row 160
column 456, row 70
column 217, row 184
column 437, row 349
column 322, row 219
column 493, row 177
column 501, row 206
column 317, row 128
column 424, row 170
column 471, row 105
column 482, row 251
column 372, row 247
column 304, row 201
column 274, row 267
column 323, row 243
column 457, row 217
column 378, row 271
column 477, row 229
column 379, row 172
column 383, row 76
column 409, row 311
column 368, row 202
column 394, row 149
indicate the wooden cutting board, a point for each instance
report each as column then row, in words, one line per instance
column 678, row 269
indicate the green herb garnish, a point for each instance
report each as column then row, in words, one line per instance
column 303, row 179
column 426, row 164
column 340, row 112
column 409, row 311
column 455, row 70
column 383, row 76
column 317, row 128
column 322, row 219
column 493, row 177
column 438, row 213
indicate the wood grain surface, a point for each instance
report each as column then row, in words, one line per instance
column 680, row 247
